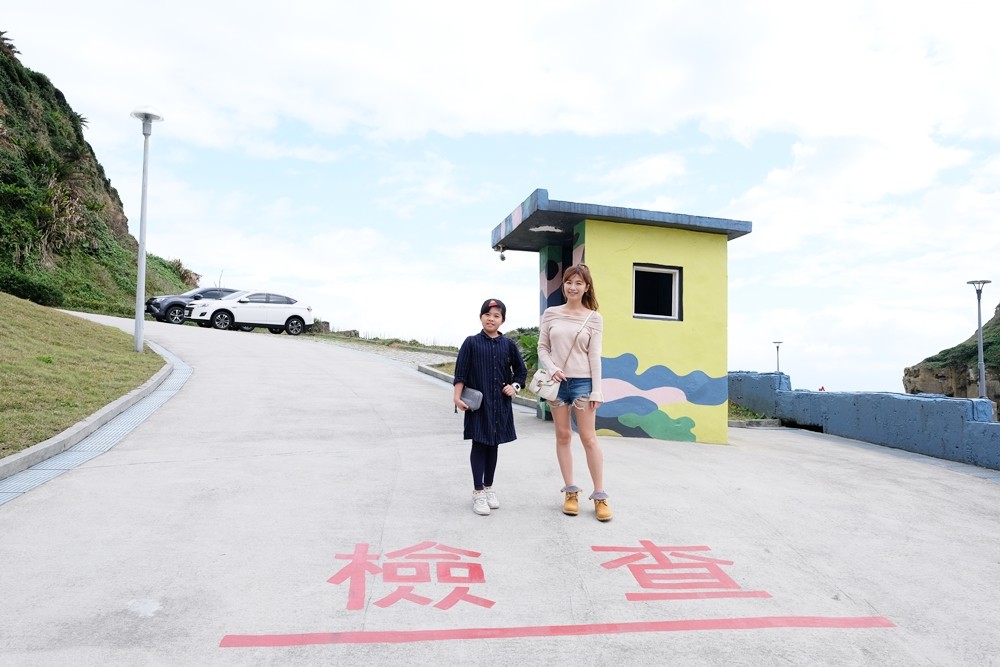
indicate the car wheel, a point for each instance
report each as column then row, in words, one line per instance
column 276, row 330
column 245, row 327
column 203, row 324
column 294, row 326
column 222, row 319
column 175, row 314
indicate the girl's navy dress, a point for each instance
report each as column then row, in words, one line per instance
column 487, row 364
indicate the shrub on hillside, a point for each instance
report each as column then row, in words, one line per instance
column 37, row 289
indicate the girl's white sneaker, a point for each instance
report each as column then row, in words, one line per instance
column 479, row 503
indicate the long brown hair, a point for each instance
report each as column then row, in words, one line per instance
column 589, row 297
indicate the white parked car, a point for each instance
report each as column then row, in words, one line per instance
column 248, row 309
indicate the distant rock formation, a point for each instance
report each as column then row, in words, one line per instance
column 955, row 371
column 956, row 382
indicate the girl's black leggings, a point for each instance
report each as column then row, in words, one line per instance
column 484, row 464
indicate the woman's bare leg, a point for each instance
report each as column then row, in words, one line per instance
column 586, row 420
column 564, row 441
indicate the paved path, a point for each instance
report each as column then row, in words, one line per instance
column 301, row 503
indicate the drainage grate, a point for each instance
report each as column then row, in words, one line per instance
column 65, row 461
column 27, row 480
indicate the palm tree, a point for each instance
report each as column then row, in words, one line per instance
column 7, row 46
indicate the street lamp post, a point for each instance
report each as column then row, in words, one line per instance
column 777, row 354
column 978, row 284
column 148, row 117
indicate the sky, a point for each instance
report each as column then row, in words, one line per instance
column 357, row 155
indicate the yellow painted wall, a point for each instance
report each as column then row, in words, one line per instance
column 699, row 341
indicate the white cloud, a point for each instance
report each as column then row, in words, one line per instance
column 640, row 175
column 427, row 182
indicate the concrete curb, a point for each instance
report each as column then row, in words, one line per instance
column 446, row 353
column 375, row 346
column 754, row 423
column 57, row 444
column 450, row 379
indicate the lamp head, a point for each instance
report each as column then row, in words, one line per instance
column 978, row 284
column 147, row 114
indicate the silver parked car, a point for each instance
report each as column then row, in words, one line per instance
column 170, row 307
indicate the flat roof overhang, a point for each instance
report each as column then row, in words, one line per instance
column 539, row 222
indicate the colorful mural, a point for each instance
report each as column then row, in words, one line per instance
column 550, row 278
column 635, row 403
column 552, row 260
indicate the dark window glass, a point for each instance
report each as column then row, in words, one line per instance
column 657, row 291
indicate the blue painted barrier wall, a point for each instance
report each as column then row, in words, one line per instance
column 956, row 429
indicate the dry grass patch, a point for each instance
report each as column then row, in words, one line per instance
column 56, row 369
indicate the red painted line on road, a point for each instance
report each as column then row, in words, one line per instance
column 709, row 595
column 406, row 636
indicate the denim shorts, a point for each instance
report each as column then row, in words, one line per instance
column 572, row 389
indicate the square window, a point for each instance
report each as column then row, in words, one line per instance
column 657, row 291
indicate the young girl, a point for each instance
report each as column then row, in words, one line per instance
column 491, row 363
column 569, row 345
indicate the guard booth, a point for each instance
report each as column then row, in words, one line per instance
column 661, row 283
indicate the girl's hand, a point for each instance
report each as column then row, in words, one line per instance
column 461, row 405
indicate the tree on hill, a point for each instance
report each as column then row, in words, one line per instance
column 6, row 45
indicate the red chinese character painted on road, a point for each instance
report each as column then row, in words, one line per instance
column 410, row 566
column 355, row 571
column 676, row 573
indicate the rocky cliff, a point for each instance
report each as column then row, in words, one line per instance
column 955, row 371
column 64, row 237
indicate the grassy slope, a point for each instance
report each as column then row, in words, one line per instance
column 56, row 369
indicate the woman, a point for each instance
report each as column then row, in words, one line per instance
column 569, row 345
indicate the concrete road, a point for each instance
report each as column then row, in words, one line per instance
column 300, row 503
